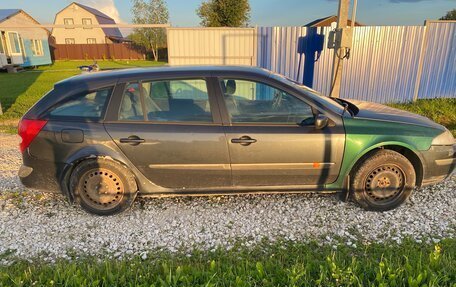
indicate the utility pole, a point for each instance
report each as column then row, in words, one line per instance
column 340, row 41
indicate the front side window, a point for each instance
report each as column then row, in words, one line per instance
column 91, row 41
column 69, row 41
column 131, row 106
column 85, row 105
column 177, row 101
column 14, row 42
column 68, row 21
column 255, row 102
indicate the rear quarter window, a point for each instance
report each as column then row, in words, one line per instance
column 87, row 105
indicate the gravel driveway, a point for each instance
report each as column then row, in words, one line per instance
column 35, row 224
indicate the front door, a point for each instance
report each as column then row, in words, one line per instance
column 171, row 131
column 272, row 139
column 14, row 50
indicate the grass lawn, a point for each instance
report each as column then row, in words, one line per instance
column 442, row 111
column 20, row 91
column 62, row 65
column 287, row 264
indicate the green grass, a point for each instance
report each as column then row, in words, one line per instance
column 62, row 65
column 20, row 91
column 389, row 264
column 442, row 111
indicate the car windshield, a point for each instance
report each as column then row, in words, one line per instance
column 328, row 100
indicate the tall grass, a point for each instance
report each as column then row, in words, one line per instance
column 442, row 111
column 407, row 264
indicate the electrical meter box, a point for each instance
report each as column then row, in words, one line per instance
column 340, row 38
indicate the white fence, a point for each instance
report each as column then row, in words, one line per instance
column 387, row 63
column 212, row 46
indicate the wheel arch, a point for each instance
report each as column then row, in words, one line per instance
column 404, row 149
column 87, row 154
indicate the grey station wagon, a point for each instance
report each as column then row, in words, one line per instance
column 102, row 138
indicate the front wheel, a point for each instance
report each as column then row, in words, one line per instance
column 383, row 181
column 103, row 187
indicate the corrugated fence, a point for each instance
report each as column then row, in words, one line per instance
column 387, row 63
column 214, row 46
column 384, row 65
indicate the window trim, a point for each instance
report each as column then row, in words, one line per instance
column 37, row 50
column 9, row 33
column 94, row 41
column 64, row 22
column 74, row 41
column 47, row 114
column 227, row 117
column 82, row 21
column 113, row 115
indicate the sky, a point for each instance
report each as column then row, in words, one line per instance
column 263, row 12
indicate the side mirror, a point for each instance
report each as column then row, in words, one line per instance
column 321, row 121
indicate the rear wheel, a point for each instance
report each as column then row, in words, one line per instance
column 103, row 187
column 383, row 181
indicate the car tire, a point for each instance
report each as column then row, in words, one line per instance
column 382, row 181
column 103, row 187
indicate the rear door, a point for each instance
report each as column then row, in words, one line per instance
column 172, row 132
column 268, row 145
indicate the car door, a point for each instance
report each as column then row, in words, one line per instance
column 171, row 131
column 272, row 139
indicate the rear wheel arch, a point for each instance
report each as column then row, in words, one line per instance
column 404, row 150
column 75, row 161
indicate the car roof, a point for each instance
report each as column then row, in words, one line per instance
column 112, row 76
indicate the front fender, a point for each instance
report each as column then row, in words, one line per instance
column 363, row 136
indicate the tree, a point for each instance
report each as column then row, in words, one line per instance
column 451, row 15
column 151, row 12
column 224, row 13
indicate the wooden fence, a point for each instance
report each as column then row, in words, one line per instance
column 97, row 51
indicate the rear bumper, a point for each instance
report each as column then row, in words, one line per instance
column 438, row 163
column 40, row 174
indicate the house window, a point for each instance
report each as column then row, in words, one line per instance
column 91, row 41
column 69, row 41
column 14, row 42
column 68, row 21
column 87, row 21
column 37, row 48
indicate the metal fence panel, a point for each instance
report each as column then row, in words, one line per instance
column 438, row 78
column 212, row 46
column 382, row 67
column 384, row 63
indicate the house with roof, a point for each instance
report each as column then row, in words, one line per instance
column 76, row 13
column 20, row 46
column 328, row 21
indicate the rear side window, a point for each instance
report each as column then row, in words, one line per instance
column 83, row 106
column 177, row 101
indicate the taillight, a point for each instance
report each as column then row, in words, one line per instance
column 28, row 130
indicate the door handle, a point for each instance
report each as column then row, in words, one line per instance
column 244, row 140
column 132, row 140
